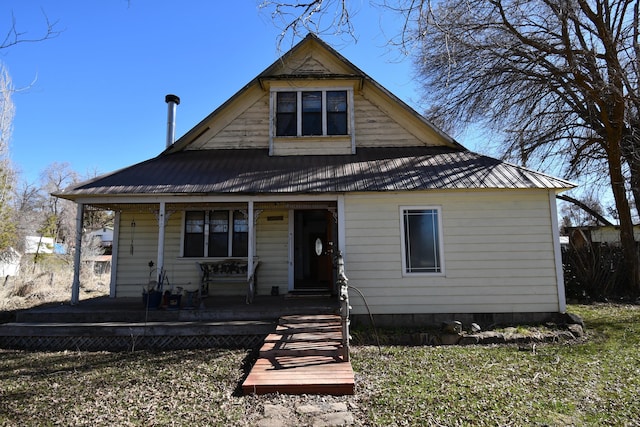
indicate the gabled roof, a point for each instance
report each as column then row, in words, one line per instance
column 341, row 68
column 245, row 171
column 183, row 169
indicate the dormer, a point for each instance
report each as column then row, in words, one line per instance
column 313, row 114
column 312, row 101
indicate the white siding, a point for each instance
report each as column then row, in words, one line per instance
column 137, row 246
column 498, row 251
column 133, row 268
column 378, row 124
column 272, row 248
column 245, row 124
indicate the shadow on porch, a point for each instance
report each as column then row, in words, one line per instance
column 119, row 324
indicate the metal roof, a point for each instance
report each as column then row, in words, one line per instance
column 253, row 171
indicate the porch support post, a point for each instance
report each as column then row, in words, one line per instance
column 161, row 224
column 251, row 245
column 115, row 248
column 251, row 237
column 342, row 240
column 75, row 287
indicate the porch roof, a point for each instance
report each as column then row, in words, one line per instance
column 253, row 171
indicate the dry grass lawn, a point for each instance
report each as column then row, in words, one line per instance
column 594, row 383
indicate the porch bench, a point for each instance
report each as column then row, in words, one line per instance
column 226, row 271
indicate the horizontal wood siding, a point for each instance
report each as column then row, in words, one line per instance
column 498, row 253
column 137, row 246
column 133, row 269
column 311, row 146
column 380, row 123
column 245, row 124
column 272, row 243
column 183, row 272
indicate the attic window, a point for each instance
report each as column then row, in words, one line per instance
column 311, row 113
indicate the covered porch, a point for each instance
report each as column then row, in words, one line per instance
column 275, row 246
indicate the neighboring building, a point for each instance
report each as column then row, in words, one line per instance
column 102, row 237
column 588, row 235
column 314, row 156
column 39, row 245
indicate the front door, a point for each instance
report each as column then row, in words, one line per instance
column 314, row 241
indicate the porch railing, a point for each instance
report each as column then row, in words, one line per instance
column 344, row 306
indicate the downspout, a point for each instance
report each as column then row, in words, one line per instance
column 75, row 287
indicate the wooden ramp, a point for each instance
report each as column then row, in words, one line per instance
column 303, row 356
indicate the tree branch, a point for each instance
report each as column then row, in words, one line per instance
column 584, row 207
column 14, row 36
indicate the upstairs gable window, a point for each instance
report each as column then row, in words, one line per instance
column 337, row 112
column 286, row 114
column 311, row 113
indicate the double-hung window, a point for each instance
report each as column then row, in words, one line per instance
column 421, row 240
column 311, row 113
column 218, row 233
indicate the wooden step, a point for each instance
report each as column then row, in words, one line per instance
column 304, row 356
column 317, row 319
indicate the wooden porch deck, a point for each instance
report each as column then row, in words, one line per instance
column 303, row 356
column 214, row 308
column 124, row 323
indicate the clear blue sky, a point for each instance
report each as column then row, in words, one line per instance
column 96, row 91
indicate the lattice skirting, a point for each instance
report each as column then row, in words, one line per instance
column 130, row 343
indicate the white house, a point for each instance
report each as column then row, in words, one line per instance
column 313, row 157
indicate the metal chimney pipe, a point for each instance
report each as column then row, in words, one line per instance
column 172, row 101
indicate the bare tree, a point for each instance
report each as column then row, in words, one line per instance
column 579, row 213
column 14, row 36
column 297, row 18
column 28, row 203
column 559, row 78
column 335, row 17
column 7, row 176
column 58, row 214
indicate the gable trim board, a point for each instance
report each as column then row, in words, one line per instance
column 497, row 221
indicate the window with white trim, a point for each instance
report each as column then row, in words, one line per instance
column 421, row 240
column 218, row 233
column 311, row 113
